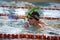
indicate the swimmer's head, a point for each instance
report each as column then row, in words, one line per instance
column 33, row 18
column 35, row 15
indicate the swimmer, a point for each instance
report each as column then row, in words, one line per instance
column 34, row 19
column 39, row 25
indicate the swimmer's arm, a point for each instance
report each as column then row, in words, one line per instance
column 43, row 23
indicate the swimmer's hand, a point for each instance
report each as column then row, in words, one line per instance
column 43, row 23
column 26, row 25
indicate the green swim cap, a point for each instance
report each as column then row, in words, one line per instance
column 35, row 15
column 31, row 10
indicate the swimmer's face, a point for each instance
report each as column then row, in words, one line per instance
column 31, row 20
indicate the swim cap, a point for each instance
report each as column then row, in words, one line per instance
column 35, row 15
column 31, row 10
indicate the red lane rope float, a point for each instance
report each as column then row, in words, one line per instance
column 53, row 38
column 29, row 36
column 41, row 17
column 1, row 14
column 49, row 18
column 55, row 8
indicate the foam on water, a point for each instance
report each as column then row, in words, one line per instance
column 17, row 26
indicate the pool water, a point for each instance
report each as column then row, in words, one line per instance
column 11, row 26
